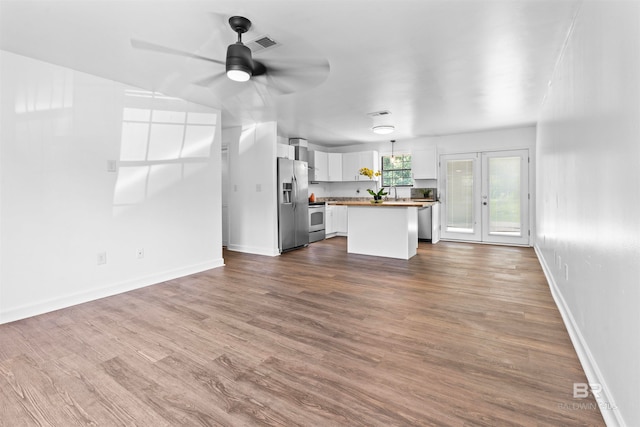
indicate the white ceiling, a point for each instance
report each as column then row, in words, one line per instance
column 439, row 67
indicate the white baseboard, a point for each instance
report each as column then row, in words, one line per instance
column 608, row 409
column 69, row 300
column 253, row 250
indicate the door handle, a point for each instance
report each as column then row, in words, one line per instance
column 295, row 192
column 484, row 203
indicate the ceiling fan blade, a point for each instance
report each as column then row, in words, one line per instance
column 265, row 86
column 140, row 44
column 297, row 75
column 212, row 80
column 320, row 64
column 226, row 90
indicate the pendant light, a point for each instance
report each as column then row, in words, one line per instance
column 392, row 143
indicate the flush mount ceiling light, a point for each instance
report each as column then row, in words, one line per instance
column 383, row 129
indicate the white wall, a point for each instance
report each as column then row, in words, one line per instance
column 589, row 198
column 60, row 207
column 252, row 199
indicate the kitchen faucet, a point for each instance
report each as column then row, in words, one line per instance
column 395, row 192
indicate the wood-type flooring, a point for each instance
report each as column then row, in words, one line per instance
column 459, row 335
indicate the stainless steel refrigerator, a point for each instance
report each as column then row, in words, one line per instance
column 293, row 204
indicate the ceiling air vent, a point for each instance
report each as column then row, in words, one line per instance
column 379, row 113
column 261, row 43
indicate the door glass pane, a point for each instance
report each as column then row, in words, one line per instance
column 504, row 196
column 460, row 196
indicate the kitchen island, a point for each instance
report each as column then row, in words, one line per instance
column 388, row 229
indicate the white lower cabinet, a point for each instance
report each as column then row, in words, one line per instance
column 329, row 229
column 340, row 220
column 335, row 221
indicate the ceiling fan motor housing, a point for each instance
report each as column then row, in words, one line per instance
column 239, row 58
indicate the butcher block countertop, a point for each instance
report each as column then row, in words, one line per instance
column 386, row 203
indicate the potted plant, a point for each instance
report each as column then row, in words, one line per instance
column 377, row 194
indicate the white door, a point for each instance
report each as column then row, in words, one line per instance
column 485, row 197
column 460, row 195
column 505, row 197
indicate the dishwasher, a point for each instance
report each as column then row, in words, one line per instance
column 428, row 220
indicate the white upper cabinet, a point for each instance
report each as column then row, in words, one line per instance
column 325, row 166
column 353, row 162
column 424, row 163
column 334, row 161
column 334, row 167
column 319, row 166
column 350, row 166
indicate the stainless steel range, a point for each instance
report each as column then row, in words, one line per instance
column 316, row 221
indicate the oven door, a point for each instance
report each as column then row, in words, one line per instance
column 316, row 218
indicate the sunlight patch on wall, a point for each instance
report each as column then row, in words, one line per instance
column 161, row 177
column 197, row 142
column 247, row 138
column 134, row 141
column 40, row 90
column 131, row 185
column 163, row 141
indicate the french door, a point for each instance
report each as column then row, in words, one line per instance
column 485, row 197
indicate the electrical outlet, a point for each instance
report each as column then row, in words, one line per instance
column 258, row 188
column 140, row 253
column 112, row 165
column 102, row 258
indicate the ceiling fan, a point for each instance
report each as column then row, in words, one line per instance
column 240, row 64
column 241, row 67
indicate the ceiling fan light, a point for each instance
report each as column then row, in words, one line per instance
column 239, row 63
column 238, row 75
column 383, row 129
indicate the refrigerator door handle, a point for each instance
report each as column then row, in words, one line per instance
column 295, row 191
